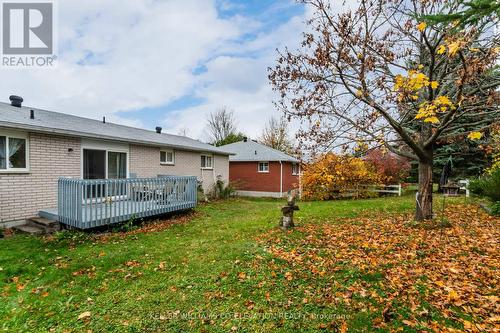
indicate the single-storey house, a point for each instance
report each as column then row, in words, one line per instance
column 261, row 171
column 38, row 147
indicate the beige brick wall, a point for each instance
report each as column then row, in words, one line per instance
column 145, row 162
column 23, row 195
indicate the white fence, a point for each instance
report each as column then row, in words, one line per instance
column 356, row 192
column 394, row 189
column 391, row 189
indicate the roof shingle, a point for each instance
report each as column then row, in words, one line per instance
column 251, row 151
column 64, row 124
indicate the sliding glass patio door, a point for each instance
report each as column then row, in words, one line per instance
column 117, row 169
column 117, row 165
column 102, row 164
column 94, row 167
column 94, row 164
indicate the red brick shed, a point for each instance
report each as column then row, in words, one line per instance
column 261, row 171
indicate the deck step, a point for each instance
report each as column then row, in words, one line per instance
column 43, row 221
column 48, row 226
column 50, row 214
column 29, row 229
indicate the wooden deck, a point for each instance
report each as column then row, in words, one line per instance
column 88, row 204
column 115, row 212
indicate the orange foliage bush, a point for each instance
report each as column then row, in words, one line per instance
column 331, row 175
column 391, row 167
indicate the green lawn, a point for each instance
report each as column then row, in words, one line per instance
column 210, row 274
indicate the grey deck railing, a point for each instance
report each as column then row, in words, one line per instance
column 85, row 203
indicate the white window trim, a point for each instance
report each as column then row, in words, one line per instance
column 16, row 135
column 258, row 167
column 298, row 169
column 166, row 151
column 211, row 158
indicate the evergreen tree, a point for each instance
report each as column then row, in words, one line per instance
column 466, row 12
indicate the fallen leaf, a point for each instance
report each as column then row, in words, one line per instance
column 132, row 263
column 84, row 315
column 451, row 269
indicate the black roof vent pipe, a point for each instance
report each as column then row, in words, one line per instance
column 245, row 139
column 16, row 101
column 158, row 129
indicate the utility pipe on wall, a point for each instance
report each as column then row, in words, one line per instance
column 300, row 182
column 281, row 179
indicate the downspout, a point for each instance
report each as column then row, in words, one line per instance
column 300, row 182
column 213, row 169
column 202, row 180
column 281, row 179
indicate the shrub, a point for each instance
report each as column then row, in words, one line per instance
column 126, row 226
column 71, row 237
column 332, row 176
column 495, row 209
column 391, row 167
column 488, row 185
column 221, row 191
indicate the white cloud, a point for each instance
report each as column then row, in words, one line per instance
column 240, row 83
column 139, row 54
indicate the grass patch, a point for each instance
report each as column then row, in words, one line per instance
column 213, row 272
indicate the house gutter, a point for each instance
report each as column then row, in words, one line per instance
column 73, row 133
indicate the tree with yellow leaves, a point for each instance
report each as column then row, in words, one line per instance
column 378, row 75
column 331, row 176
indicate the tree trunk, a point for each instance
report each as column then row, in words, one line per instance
column 424, row 195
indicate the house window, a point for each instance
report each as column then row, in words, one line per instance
column 13, row 153
column 263, row 166
column 295, row 169
column 206, row 162
column 166, row 157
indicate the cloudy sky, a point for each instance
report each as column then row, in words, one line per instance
column 163, row 62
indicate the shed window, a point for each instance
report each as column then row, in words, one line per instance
column 295, row 169
column 263, row 166
column 13, row 153
column 167, row 157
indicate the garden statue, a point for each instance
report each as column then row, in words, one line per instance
column 287, row 218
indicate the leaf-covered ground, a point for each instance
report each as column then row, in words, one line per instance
column 355, row 266
column 423, row 277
